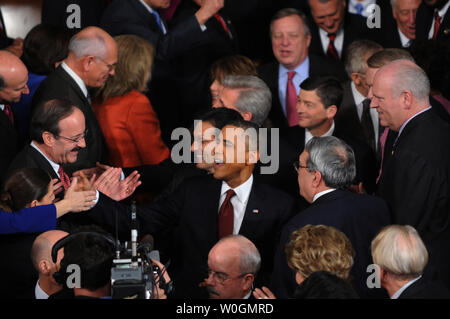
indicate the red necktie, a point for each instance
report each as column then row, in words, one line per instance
column 226, row 215
column 437, row 24
column 291, row 101
column 331, row 51
column 9, row 113
column 224, row 25
column 64, row 178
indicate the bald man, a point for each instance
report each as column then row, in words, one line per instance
column 232, row 267
column 41, row 256
column 91, row 60
column 415, row 181
column 13, row 83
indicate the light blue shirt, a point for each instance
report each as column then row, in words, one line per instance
column 302, row 73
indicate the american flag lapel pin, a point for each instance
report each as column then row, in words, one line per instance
column 256, row 211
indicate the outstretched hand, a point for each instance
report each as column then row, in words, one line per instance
column 109, row 183
column 74, row 201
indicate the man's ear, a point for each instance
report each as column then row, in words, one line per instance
column 331, row 111
column 407, row 99
column 45, row 267
column 317, row 179
column 355, row 78
column 247, row 116
column 248, row 281
column 87, row 62
column 48, row 138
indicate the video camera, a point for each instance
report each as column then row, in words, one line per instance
column 134, row 275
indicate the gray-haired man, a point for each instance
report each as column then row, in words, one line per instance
column 325, row 169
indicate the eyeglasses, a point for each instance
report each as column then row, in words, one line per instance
column 221, row 277
column 297, row 166
column 75, row 140
column 111, row 67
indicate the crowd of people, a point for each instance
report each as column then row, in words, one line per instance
column 317, row 148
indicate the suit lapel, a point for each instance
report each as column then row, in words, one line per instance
column 67, row 78
column 254, row 212
column 41, row 161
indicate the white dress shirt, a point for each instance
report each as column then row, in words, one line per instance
column 301, row 74
column 320, row 194
column 338, row 41
column 239, row 201
column 76, row 78
column 403, row 39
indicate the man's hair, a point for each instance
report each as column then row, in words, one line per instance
column 328, row 89
column 410, row 77
column 219, row 117
column 46, row 117
column 232, row 65
column 287, row 12
column 94, row 255
column 385, row 56
column 319, row 247
column 355, row 55
column 400, row 251
column 135, row 61
column 85, row 45
column 334, row 159
column 254, row 95
column 253, row 139
column 249, row 257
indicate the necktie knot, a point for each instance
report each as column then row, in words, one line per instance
column 230, row 194
column 291, row 75
column 332, row 36
column 359, row 8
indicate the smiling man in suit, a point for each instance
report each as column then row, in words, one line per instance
column 204, row 209
column 433, row 21
column 291, row 38
column 91, row 60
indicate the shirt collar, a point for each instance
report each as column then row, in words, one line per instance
column 359, row 98
column 242, row 191
column 320, row 194
column 403, row 288
column 408, row 120
column 2, row 107
column 309, row 136
column 39, row 293
column 444, row 10
column 76, row 78
column 403, row 38
column 146, row 5
column 302, row 69
column 53, row 164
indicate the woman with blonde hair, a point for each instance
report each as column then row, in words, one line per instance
column 128, row 121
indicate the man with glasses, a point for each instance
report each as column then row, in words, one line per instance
column 325, row 170
column 233, row 264
column 58, row 134
column 91, row 60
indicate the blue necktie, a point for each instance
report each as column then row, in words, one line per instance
column 359, row 8
column 158, row 20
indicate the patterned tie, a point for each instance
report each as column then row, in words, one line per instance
column 9, row 113
column 158, row 20
column 367, row 125
column 331, row 51
column 359, row 8
column 291, row 101
column 437, row 24
column 64, row 178
column 226, row 215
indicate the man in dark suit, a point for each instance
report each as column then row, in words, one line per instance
column 397, row 24
column 401, row 257
column 333, row 28
column 416, row 177
column 317, row 106
column 141, row 18
column 247, row 207
column 290, row 41
column 354, row 114
column 13, row 83
column 91, row 60
column 433, row 21
column 325, row 169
